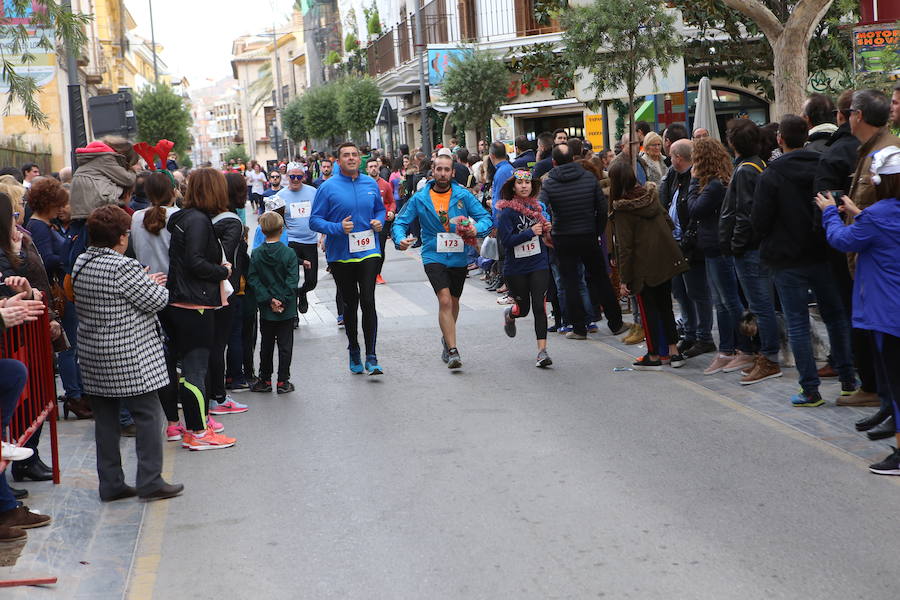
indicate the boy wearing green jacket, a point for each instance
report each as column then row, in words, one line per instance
column 274, row 277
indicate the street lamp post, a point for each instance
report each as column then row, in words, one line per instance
column 153, row 41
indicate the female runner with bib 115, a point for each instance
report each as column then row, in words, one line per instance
column 523, row 229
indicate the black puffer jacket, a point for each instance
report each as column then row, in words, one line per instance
column 784, row 216
column 838, row 162
column 575, row 201
column 195, row 260
column 705, row 207
column 735, row 230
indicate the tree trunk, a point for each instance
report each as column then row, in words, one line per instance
column 631, row 131
column 791, row 73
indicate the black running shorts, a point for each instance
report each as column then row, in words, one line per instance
column 442, row 276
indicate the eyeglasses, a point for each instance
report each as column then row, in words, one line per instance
column 274, row 176
column 296, row 177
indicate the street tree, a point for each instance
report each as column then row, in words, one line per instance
column 789, row 35
column 53, row 24
column 475, row 87
column 358, row 101
column 619, row 43
column 292, row 121
column 162, row 114
column 237, row 153
column 319, row 109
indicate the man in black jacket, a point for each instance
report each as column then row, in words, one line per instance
column 525, row 157
column 783, row 216
column 579, row 211
column 736, row 238
column 818, row 112
column 835, row 174
column 689, row 288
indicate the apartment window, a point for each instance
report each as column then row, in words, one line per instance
column 526, row 23
column 468, row 27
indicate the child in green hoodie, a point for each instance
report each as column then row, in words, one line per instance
column 274, row 276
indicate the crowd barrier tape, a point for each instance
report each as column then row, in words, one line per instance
column 30, row 344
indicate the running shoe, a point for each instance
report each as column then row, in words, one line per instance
column 445, row 351
column 677, row 360
column 228, row 407
column 509, row 323
column 564, row 329
column 285, row 387
column 506, row 300
column 889, row 466
column 804, row 399
column 552, row 328
column 236, row 385
column 592, row 328
column 740, row 360
column 848, row 388
column 379, row 280
column 543, row 359
column 340, row 321
column 372, row 367
column 263, row 387
column 718, row 363
column 214, row 425
column 175, row 432
column 574, row 335
column 454, row 361
column 210, row 440
column 645, row 363
column 356, row 366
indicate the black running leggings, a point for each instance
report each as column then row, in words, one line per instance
column 356, row 283
column 531, row 288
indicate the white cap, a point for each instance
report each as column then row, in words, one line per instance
column 296, row 165
column 445, row 152
column 274, row 203
column 885, row 162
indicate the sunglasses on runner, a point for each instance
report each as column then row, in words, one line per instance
column 296, row 177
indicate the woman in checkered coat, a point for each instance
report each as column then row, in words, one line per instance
column 120, row 349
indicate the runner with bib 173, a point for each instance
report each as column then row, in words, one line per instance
column 451, row 217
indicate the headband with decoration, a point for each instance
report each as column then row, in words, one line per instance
column 885, row 162
column 522, row 175
column 150, row 153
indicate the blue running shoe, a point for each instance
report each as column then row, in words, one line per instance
column 356, row 366
column 592, row 328
column 372, row 367
column 804, row 399
column 564, row 329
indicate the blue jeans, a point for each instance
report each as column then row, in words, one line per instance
column 69, row 371
column 12, row 381
column 589, row 314
column 793, row 288
column 692, row 294
column 757, row 285
column 723, row 283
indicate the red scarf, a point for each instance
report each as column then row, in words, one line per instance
column 531, row 209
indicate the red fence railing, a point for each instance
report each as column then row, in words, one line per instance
column 30, row 344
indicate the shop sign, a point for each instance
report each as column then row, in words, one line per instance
column 872, row 46
column 593, row 131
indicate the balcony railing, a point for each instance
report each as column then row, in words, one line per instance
column 397, row 45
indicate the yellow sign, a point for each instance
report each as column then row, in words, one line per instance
column 593, row 131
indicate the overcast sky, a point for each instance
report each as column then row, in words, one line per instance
column 196, row 34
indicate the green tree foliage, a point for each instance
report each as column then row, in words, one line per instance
column 731, row 46
column 162, row 114
column 237, row 153
column 318, row 110
column 475, row 86
column 358, row 101
column 292, row 120
column 53, row 24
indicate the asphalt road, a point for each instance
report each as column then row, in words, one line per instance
column 506, row 481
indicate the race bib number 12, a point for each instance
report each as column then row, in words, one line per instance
column 301, row 210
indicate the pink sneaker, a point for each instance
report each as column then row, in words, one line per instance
column 739, row 361
column 210, row 441
column 214, row 425
column 174, row 432
column 718, row 363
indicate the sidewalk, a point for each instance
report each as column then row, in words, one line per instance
column 89, row 545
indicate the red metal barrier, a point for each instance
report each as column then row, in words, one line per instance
column 30, row 344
